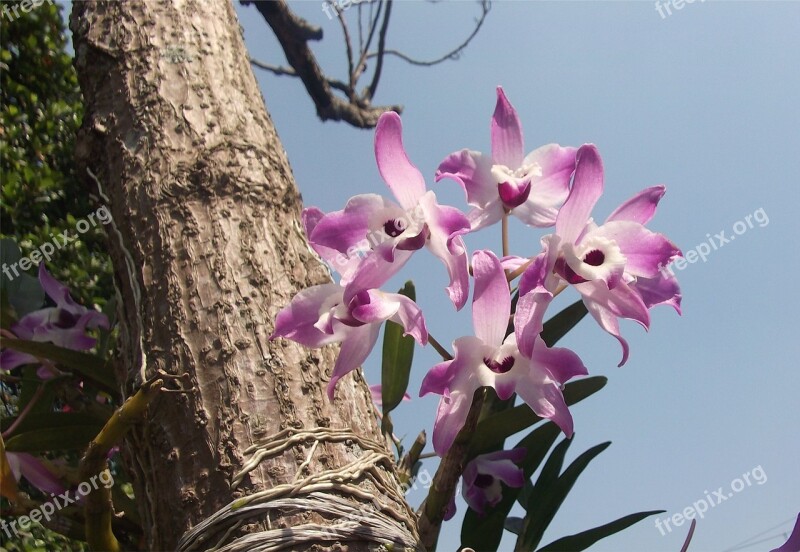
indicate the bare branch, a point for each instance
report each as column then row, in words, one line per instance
column 370, row 92
column 292, row 39
column 289, row 72
column 454, row 54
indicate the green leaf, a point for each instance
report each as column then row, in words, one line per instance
column 585, row 539
column 493, row 431
column 88, row 365
column 24, row 292
column 55, row 420
column 485, row 533
column 550, row 491
column 72, row 437
column 558, row 326
column 513, row 525
column 398, row 353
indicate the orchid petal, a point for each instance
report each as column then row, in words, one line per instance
column 482, row 217
column 491, row 303
column 355, row 350
column 38, row 475
column 10, row 359
column 607, row 305
column 662, row 289
column 447, row 225
column 557, row 164
column 402, row 177
column 547, row 401
column 473, row 171
column 374, row 271
column 793, row 543
column 561, row 363
column 297, row 320
column 507, row 140
column 437, row 380
column 587, row 187
column 375, row 306
column 646, row 252
column 641, row 207
column 348, row 228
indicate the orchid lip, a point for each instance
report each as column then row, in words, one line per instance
column 483, row 481
column 415, row 242
column 501, row 367
column 514, row 195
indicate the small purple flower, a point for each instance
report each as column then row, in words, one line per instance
column 616, row 267
column 793, row 544
column 321, row 315
column 391, row 232
column 530, row 187
column 487, row 360
column 64, row 325
column 31, row 468
column 483, row 477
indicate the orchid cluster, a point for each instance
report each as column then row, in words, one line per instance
column 614, row 266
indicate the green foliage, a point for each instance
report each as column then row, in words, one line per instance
column 40, row 113
column 398, row 354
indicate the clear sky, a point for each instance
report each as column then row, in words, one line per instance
column 704, row 101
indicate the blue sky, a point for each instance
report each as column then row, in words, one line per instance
column 703, row 101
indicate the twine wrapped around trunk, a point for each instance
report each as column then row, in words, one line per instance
column 359, row 514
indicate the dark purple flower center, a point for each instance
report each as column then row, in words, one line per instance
column 595, row 257
column 499, row 367
column 483, row 480
column 394, row 227
column 65, row 319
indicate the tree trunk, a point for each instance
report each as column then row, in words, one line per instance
column 207, row 248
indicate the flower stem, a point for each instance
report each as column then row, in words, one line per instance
column 439, row 349
column 443, row 487
column 505, row 235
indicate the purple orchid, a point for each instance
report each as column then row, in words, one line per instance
column 390, row 232
column 64, row 325
column 321, row 315
column 616, row 267
column 484, row 474
column 529, row 187
column 793, row 544
column 487, row 360
column 34, row 470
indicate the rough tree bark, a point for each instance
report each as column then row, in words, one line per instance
column 207, row 248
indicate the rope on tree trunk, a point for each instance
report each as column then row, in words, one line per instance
column 366, row 519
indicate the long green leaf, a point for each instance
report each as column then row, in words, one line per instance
column 545, row 501
column 74, row 437
column 494, row 430
column 582, row 541
column 557, row 327
column 398, row 354
column 88, row 365
column 485, row 533
column 45, row 420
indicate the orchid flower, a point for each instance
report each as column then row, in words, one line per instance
column 616, row 267
column 321, row 315
column 390, row 232
column 65, row 324
column 484, row 474
column 793, row 543
column 376, row 391
column 487, row 360
column 34, row 470
column 530, row 187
